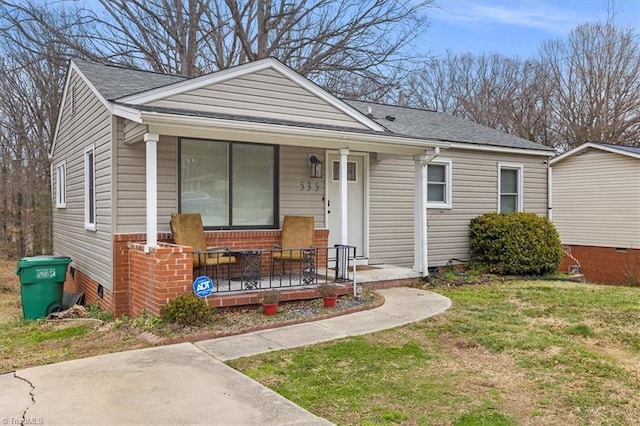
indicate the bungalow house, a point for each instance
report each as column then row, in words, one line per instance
column 596, row 209
column 245, row 147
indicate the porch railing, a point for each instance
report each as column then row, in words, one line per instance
column 257, row 269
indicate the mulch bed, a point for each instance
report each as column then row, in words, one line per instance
column 239, row 320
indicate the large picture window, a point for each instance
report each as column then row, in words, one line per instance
column 510, row 183
column 231, row 185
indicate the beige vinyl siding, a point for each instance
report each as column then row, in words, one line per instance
column 391, row 195
column 596, row 200
column 295, row 198
column 264, row 94
column 131, row 185
column 474, row 192
column 90, row 251
column 133, row 132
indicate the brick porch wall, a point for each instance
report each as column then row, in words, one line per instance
column 157, row 277
column 606, row 265
column 128, row 297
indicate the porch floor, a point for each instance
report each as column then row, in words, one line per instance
column 364, row 274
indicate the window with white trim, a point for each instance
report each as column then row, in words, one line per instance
column 510, row 187
column 61, row 185
column 89, row 189
column 439, row 184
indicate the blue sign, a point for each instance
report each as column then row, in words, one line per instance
column 203, row 286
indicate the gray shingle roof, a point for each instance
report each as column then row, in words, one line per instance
column 115, row 82
column 440, row 126
column 631, row 149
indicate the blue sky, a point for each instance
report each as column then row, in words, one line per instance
column 515, row 27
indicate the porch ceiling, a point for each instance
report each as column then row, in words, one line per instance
column 243, row 131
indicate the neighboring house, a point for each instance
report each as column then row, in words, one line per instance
column 131, row 147
column 596, row 209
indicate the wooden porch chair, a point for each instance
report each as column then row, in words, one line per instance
column 295, row 238
column 187, row 230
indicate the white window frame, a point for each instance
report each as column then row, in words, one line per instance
column 448, row 204
column 89, row 195
column 61, row 185
column 520, row 195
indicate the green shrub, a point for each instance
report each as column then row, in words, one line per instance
column 515, row 243
column 187, row 310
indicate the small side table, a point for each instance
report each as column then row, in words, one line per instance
column 250, row 261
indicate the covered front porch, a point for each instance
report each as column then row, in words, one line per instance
column 161, row 273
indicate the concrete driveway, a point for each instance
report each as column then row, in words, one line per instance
column 188, row 384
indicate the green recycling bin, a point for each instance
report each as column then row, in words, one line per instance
column 41, row 284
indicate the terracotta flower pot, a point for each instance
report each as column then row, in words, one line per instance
column 330, row 301
column 270, row 308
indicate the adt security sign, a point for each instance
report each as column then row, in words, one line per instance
column 203, row 286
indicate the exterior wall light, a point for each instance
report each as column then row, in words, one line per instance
column 315, row 166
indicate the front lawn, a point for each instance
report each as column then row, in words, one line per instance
column 514, row 353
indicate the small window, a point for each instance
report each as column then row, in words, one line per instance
column 61, row 185
column 439, row 184
column 510, row 188
column 352, row 171
column 89, row 189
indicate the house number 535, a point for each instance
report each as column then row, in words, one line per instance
column 308, row 186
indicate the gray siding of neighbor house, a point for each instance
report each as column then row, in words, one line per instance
column 474, row 192
column 131, row 183
column 596, row 199
column 265, row 94
column 90, row 251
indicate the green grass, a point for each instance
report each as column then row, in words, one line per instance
column 504, row 354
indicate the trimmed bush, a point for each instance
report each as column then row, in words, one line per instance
column 189, row 310
column 515, row 243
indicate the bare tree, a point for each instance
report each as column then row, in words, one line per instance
column 594, row 81
column 493, row 90
column 34, row 67
column 353, row 47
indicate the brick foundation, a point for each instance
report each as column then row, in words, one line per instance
column 606, row 265
column 77, row 282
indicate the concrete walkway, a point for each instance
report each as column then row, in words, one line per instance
column 189, row 383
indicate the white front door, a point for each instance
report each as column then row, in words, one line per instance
column 356, row 208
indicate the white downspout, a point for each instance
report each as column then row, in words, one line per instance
column 549, row 192
column 151, row 143
column 421, row 172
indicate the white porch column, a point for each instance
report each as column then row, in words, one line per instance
column 151, row 143
column 344, row 217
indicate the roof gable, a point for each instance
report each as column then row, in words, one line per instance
column 263, row 89
column 629, row 151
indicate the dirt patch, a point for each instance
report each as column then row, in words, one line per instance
column 517, row 392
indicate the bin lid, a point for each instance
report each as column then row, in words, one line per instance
column 27, row 262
